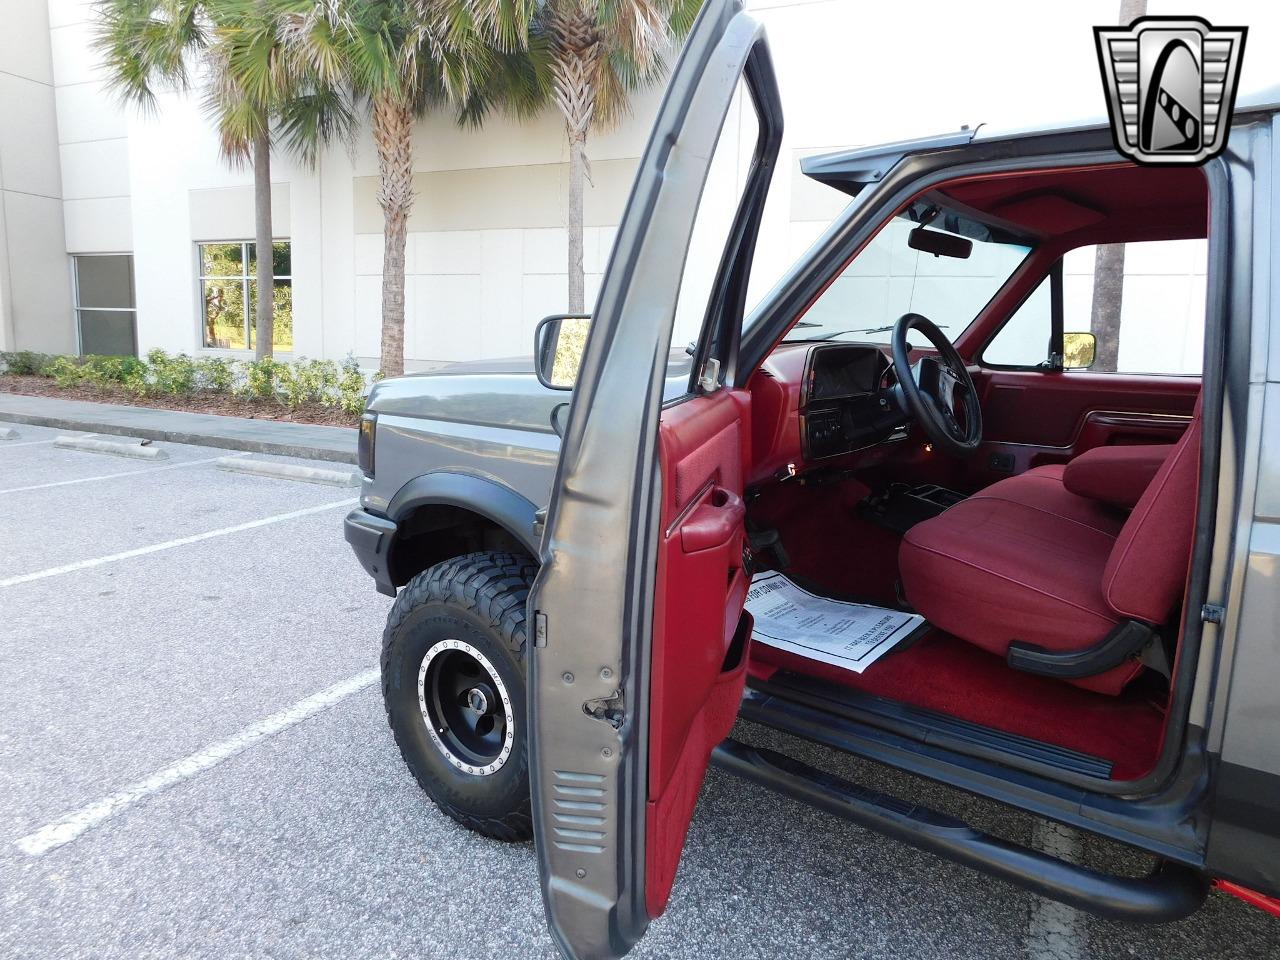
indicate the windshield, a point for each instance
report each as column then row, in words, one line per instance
column 889, row 278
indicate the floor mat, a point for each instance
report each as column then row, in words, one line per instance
column 840, row 633
column 940, row 672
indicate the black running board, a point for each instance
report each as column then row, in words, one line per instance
column 1171, row 892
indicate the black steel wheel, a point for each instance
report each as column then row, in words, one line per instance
column 466, row 707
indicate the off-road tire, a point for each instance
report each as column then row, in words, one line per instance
column 479, row 598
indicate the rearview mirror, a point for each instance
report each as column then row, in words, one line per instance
column 939, row 244
column 558, row 342
column 1078, row 350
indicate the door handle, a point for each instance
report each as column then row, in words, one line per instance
column 714, row 522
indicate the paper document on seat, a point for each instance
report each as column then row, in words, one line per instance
column 848, row 635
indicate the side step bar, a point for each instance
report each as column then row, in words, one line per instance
column 1171, row 892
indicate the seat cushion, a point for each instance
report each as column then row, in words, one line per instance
column 993, row 569
column 1145, row 577
column 1044, row 489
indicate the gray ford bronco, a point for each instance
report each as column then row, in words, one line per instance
column 1087, row 556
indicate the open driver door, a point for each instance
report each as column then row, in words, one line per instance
column 639, row 648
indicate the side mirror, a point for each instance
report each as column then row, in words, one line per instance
column 1079, row 350
column 939, row 244
column 558, row 342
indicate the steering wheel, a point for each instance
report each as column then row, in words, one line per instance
column 937, row 391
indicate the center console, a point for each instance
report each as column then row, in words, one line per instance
column 901, row 507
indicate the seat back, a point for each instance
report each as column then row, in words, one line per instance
column 1147, row 569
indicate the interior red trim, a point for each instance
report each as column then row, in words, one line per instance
column 695, row 686
column 945, row 674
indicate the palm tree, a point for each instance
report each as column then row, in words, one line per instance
column 600, row 51
column 407, row 58
column 236, row 48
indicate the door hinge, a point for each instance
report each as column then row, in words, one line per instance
column 539, row 628
column 539, row 522
column 709, row 379
column 1212, row 613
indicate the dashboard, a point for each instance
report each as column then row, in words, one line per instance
column 812, row 402
column 846, row 401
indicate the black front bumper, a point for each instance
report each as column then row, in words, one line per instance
column 370, row 537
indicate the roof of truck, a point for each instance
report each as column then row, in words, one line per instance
column 850, row 170
column 1264, row 100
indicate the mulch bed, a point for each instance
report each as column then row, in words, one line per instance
column 201, row 402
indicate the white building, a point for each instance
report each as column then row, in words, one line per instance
column 105, row 210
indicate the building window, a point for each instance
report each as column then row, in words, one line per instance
column 105, row 306
column 229, row 294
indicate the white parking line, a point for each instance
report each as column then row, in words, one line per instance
column 113, row 476
column 73, row 825
column 1056, row 931
column 169, row 544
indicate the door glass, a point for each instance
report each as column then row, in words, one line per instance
column 1143, row 302
column 721, row 196
column 105, row 304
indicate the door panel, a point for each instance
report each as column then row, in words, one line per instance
column 1047, row 409
column 633, row 512
column 1036, row 417
column 697, row 683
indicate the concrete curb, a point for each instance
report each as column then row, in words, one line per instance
column 290, row 471
column 132, row 447
column 272, row 437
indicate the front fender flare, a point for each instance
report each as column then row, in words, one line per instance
column 481, row 495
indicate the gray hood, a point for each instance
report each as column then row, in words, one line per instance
column 502, row 392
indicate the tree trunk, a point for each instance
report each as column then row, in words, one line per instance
column 1131, row 10
column 392, row 134
column 1108, row 298
column 577, row 277
column 576, row 39
column 264, row 314
column 1108, row 266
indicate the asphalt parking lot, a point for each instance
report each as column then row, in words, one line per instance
column 194, row 762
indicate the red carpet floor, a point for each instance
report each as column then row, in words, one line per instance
column 942, row 673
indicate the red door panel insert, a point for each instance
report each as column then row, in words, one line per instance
column 698, row 665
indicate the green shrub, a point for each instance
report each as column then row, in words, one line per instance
column 67, row 371
column 27, row 363
column 352, row 389
column 216, row 373
column 174, row 375
column 262, row 378
column 112, row 370
column 307, row 381
column 301, row 383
